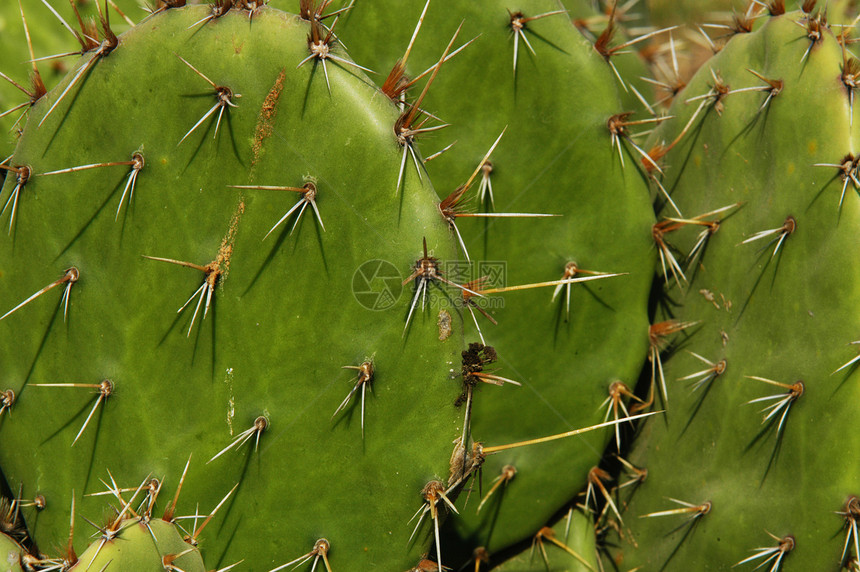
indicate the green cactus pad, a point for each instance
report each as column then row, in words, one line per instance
column 150, row 547
column 10, row 554
column 771, row 292
column 286, row 313
column 555, row 157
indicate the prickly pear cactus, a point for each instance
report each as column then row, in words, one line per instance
column 553, row 95
column 232, row 303
column 755, row 462
column 161, row 301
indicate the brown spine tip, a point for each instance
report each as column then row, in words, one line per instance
column 38, row 85
column 545, row 532
column 596, row 474
column 518, row 20
column 106, row 388
column 797, row 389
column 306, row 9
column 311, row 12
column 72, row 275
column 655, row 155
column 487, row 168
column 22, row 174
column 618, row 389
column 776, row 7
column 431, row 490
column 366, row 371
column 601, row 45
column 261, row 423
column 815, row 27
column 852, row 508
column 322, row 546
column 396, row 81
column 741, row 24
column 790, row 225
column 617, row 124
column 480, row 554
column 7, row 399
column 426, row 565
column 851, row 72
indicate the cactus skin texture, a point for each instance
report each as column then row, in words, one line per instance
column 783, row 317
column 283, row 320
